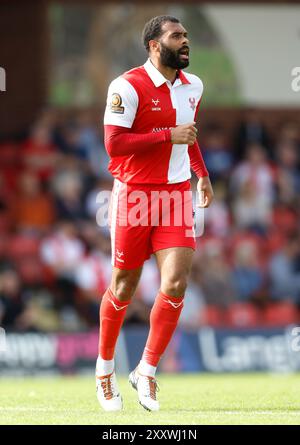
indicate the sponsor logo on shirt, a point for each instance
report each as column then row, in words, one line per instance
column 155, row 103
column 156, row 129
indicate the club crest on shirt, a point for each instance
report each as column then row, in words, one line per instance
column 192, row 102
column 116, row 104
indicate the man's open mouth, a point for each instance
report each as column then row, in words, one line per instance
column 184, row 53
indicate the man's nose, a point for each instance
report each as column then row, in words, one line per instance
column 185, row 41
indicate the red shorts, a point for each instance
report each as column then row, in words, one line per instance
column 145, row 218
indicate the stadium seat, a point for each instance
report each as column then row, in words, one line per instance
column 9, row 155
column 280, row 314
column 211, row 315
column 21, row 246
column 4, row 243
column 5, row 222
column 275, row 239
column 242, row 315
column 9, row 165
column 285, row 219
column 31, row 270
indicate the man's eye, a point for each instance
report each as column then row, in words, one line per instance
column 178, row 36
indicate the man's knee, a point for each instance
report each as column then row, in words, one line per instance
column 174, row 286
column 124, row 283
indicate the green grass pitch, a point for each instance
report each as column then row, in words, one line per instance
column 199, row 399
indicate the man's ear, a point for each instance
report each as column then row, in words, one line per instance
column 154, row 45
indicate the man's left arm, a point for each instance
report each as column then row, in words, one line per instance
column 204, row 186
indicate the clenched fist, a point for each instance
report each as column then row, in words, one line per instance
column 184, row 134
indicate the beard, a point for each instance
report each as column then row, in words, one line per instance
column 171, row 58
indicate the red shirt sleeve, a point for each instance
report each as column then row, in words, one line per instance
column 197, row 161
column 120, row 141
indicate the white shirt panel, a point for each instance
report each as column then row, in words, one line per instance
column 186, row 109
column 179, row 165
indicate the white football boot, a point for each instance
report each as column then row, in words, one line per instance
column 108, row 393
column 146, row 387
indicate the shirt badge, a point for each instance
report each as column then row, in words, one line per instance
column 116, row 104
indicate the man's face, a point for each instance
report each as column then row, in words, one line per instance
column 173, row 46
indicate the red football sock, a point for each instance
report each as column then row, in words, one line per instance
column 112, row 314
column 163, row 321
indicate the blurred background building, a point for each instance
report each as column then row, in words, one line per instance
column 59, row 58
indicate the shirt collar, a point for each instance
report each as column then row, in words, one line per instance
column 158, row 79
column 183, row 78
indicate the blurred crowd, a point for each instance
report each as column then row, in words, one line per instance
column 55, row 259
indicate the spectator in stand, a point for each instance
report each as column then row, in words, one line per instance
column 71, row 145
column 63, row 252
column 252, row 191
column 91, row 139
column 288, row 173
column 217, row 156
column 284, row 275
column 217, row 216
column 68, row 186
column 251, row 210
column 216, row 280
column 256, row 170
column 12, row 300
column 247, row 275
column 93, row 274
column 33, row 210
column 290, row 133
column 39, row 154
column 190, row 318
column 250, row 131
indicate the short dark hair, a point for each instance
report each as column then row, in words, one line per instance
column 152, row 30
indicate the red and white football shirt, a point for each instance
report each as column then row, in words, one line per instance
column 144, row 101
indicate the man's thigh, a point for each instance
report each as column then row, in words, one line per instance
column 174, row 261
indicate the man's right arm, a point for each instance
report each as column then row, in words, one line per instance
column 121, row 107
column 120, row 141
